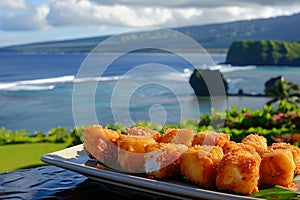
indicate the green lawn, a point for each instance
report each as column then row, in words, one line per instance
column 19, row 156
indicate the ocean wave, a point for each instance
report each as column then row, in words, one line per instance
column 97, row 79
column 49, row 83
column 36, row 84
column 234, row 80
column 186, row 74
column 228, row 68
column 29, row 88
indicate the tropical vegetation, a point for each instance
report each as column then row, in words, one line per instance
column 278, row 122
column 264, row 52
column 54, row 135
column 274, row 122
column 283, row 90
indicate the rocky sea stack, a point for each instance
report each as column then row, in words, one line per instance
column 201, row 78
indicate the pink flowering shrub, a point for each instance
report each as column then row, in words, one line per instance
column 274, row 123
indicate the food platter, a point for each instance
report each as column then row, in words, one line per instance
column 76, row 159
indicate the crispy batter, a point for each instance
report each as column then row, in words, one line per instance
column 238, row 171
column 294, row 137
column 199, row 163
column 257, row 141
column 277, row 167
column 101, row 143
column 231, row 145
column 178, row 136
column 163, row 159
column 143, row 131
column 210, row 138
column 206, row 158
column 131, row 152
column 295, row 152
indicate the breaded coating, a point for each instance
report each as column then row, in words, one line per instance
column 295, row 152
column 257, row 141
column 231, row 145
column 238, row 171
column 199, row 164
column 294, row 137
column 277, row 167
column 210, row 138
column 178, row 136
column 208, row 159
column 163, row 159
column 101, row 143
column 143, row 131
column 131, row 152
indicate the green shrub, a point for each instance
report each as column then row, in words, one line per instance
column 276, row 124
column 273, row 123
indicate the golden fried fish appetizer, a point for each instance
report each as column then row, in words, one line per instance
column 210, row 138
column 294, row 137
column 178, row 136
column 199, row 164
column 277, row 167
column 163, row 159
column 295, row 152
column 101, row 143
column 238, row 171
column 257, row 141
column 231, row 145
column 143, row 131
column 131, row 152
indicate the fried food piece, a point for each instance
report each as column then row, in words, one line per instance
column 228, row 146
column 131, row 152
column 238, row 171
column 231, row 145
column 178, row 136
column 101, row 143
column 295, row 152
column 277, row 167
column 210, row 138
column 257, row 141
column 199, row 164
column 163, row 159
column 143, row 131
column 294, row 137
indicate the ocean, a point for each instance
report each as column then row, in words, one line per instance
column 37, row 90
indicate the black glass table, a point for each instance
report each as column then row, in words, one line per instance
column 51, row 182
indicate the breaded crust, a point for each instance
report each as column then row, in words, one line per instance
column 199, row 164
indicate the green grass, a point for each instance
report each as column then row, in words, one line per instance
column 21, row 156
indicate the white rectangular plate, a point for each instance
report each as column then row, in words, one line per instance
column 76, row 159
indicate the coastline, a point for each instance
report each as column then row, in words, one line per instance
column 248, row 95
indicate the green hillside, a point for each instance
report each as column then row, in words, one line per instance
column 264, row 52
column 217, row 37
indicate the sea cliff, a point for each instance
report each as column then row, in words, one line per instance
column 264, row 52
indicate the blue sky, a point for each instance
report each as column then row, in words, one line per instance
column 27, row 21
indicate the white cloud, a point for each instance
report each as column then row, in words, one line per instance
column 13, row 4
column 141, row 13
column 134, row 13
column 198, row 3
column 32, row 19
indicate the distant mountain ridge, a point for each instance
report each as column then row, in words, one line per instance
column 285, row 28
column 211, row 37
